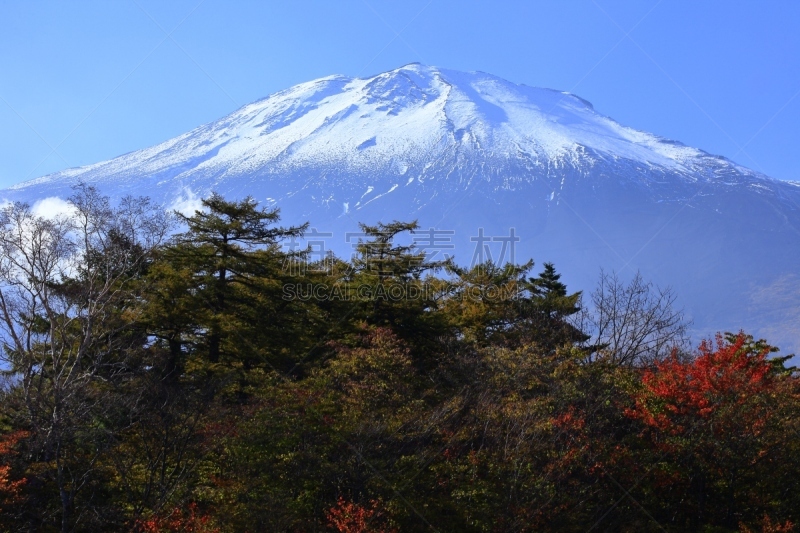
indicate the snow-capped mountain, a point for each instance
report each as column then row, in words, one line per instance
column 471, row 156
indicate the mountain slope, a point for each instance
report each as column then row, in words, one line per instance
column 464, row 151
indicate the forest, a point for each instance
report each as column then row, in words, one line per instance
column 166, row 372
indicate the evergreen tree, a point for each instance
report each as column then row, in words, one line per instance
column 483, row 303
column 216, row 272
column 418, row 402
column 549, row 307
column 390, row 282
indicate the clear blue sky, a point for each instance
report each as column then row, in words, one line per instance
column 93, row 80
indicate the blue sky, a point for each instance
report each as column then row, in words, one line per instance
column 85, row 81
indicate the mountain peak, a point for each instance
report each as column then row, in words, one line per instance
column 413, row 120
column 469, row 151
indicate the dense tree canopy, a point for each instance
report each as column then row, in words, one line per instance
column 213, row 381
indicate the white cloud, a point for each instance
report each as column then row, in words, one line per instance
column 51, row 207
column 187, row 203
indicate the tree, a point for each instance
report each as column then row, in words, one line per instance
column 483, row 303
column 181, row 387
column 717, row 422
column 350, row 517
column 10, row 489
column 494, row 304
column 381, row 255
column 210, row 273
column 635, row 323
column 69, row 293
column 394, row 288
column 179, row 520
column 550, row 308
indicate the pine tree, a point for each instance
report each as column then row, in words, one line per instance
column 549, row 307
column 380, row 255
column 214, row 265
column 389, row 279
column 484, row 303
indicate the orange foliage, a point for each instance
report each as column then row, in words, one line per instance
column 188, row 521
column 768, row 526
column 349, row 517
column 726, row 378
column 9, row 490
column 569, row 420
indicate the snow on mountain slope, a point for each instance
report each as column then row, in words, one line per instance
column 463, row 151
column 409, row 118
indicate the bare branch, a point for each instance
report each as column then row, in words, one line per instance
column 635, row 323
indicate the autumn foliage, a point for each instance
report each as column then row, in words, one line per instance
column 350, row 517
column 716, row 423
column 725, row 379
column 10, row 490
column 768, row 526
column 178, row 386
column 179, row 520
